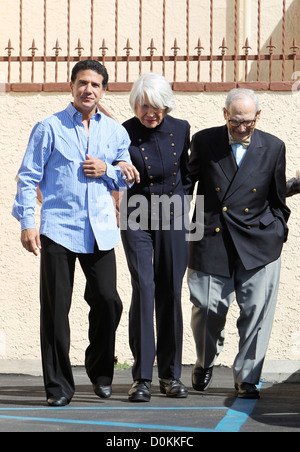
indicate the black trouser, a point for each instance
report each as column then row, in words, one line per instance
column 57, row 277
column 157, row 262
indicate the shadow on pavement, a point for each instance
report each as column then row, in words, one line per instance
column 277, row 410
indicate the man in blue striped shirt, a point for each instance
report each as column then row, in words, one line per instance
column 73, row 156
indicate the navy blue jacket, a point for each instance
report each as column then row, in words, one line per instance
column 245, row 214
column 161, row 157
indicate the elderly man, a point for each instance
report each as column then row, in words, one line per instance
column 72, row 155
column 241, row 174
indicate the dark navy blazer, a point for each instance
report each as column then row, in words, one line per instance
column 245, row 214
column 161, row 157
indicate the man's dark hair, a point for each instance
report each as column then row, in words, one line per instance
column 93, row 65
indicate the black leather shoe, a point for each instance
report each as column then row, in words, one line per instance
column 202, row 378
column 104, row 392
column 140, row 391
column 247, row 391
column 173, row 388
column 58, row 401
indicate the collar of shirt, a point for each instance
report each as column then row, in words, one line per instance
column 239, row 151
column 72, row 111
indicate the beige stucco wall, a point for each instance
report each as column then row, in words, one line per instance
column 19, row 271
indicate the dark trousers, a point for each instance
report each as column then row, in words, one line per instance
column 57, row 277
column 157, row 262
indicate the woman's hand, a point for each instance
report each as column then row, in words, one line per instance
column 129, row 173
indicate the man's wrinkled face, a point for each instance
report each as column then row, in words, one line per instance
column 241, row 118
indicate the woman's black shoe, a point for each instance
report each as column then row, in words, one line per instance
column 173, row 388
column 140, row 391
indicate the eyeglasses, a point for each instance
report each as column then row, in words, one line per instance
column 237, row 124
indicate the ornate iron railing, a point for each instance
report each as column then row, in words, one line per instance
column 200, row 69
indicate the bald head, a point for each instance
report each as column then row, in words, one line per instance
column 245, row 95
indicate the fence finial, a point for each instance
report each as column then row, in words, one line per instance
column 33, row 48
column 79, row 48
column 9, row 48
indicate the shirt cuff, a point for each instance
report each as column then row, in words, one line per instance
column 27, row 223
column 111, row 172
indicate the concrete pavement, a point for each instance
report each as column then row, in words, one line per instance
column 23, row 409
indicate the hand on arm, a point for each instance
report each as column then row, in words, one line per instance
column 129, row 173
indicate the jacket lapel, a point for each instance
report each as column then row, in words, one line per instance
column 224, row 156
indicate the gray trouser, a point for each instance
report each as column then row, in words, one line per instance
column 256, row 294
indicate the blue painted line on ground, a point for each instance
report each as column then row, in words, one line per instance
column 233, row 421
column 108, row 424
column 237, row 415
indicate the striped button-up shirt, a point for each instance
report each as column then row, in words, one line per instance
column 76, row 210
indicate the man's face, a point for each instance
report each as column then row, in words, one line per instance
column 87, row 91
column 241, row 118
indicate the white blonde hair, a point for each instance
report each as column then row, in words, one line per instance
column 156, row 88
